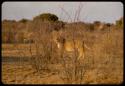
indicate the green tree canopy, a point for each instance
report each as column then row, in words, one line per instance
column 119, row 23
column 46, row 17
column 24, row 20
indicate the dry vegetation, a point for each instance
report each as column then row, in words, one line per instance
column 40, row 62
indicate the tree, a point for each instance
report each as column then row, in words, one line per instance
column 24, row 20
column 119, row 23
column 46, row 17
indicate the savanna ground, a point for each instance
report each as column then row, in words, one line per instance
column 103, row 63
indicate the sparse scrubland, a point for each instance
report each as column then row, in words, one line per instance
column 44, row 64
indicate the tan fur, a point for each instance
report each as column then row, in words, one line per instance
column 73, row 45
column 70, row 45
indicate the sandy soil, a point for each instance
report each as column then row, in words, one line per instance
column 25, row 74
column 102, row 71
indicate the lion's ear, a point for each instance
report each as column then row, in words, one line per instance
column 61, row 39
column 58, row 39
column 64, row 40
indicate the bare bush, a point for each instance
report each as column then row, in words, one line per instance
column 43, row 46
column 73, row 68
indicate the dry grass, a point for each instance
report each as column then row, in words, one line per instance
column 17, row 50
column 107, row 54
column 103, row 64
column 22, row 74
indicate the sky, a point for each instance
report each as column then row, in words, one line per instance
column 91, row 11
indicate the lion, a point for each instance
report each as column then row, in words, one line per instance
column 71, row 45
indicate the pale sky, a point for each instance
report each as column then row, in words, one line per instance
column 91, row 11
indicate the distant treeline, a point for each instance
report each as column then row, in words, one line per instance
column 21, row 31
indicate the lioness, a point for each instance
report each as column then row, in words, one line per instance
column 71, row 46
